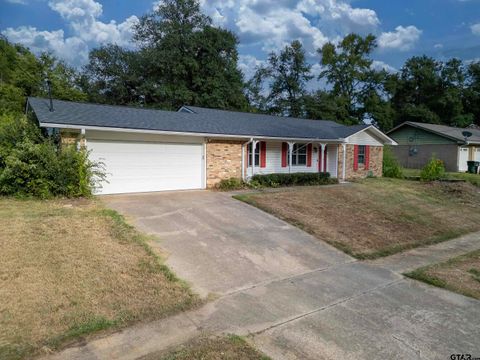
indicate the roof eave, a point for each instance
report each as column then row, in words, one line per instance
column 387, row 140
column 183, row 133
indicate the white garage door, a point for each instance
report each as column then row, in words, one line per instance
column 143, row 166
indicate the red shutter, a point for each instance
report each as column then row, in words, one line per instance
column 325, row 159
column 367, row 157
column 309, row 155
column 355, row 157
column 284, row 154
column 263, row 154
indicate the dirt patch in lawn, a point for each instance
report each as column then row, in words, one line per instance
column 70, row 268
column 460, row 274
column 377, row 217
column 214, row 348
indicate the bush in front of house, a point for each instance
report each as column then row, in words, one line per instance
column 391, row 167
column 295, row 179
column 33, row 165
column 434, row 170
column 231, row 184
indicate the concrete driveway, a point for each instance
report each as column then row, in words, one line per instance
column 220, row 245
column 298, row 297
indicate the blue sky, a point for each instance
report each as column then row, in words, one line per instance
column 439, row 28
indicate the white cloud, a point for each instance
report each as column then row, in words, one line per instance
column 403, row 38
column 380, row 65
column 248, row 64
column 271, row 24
column 81, row 17
column 475, row 29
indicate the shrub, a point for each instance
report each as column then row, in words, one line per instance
column 276, row 180
column 391, row 167
column 31, row 165
column 231, row 184
column 434, row 170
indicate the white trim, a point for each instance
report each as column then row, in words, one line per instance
column 204, row 177
column 162, row 132
column 379, row 133
column 187, row 109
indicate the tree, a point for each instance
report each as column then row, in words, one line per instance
column 22, row 74
column 113, row 76
column 63, row 79
column 348, row 70
column 472, row 92
column 187, row 60
column 323, row 105
column 430, row 91
column 287, row 74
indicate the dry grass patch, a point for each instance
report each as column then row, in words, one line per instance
column 231, row 347
column 460, row 274
column 72, row 267
column 377, row 217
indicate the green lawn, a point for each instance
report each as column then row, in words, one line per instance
column 460, row 274
column 70, row 268
column 377, row 217
column 473, row 179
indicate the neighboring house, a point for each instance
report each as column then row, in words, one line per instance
column 153, row 150
column 418, row 142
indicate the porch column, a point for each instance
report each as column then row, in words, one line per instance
column 290, row 151
column 322, row 157
column 344, row 165
column 252, row 155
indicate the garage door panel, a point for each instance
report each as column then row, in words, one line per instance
column 144, row 167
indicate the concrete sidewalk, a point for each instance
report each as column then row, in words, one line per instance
column 428, row 255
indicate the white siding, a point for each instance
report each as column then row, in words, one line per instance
column 274, row 161
column 365, row 138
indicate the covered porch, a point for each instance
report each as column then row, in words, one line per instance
column 274, row 156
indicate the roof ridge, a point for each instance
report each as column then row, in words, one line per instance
column 261, row 114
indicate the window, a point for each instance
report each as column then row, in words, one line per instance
column 361, row 154
column 257, row 154
column 299, row 154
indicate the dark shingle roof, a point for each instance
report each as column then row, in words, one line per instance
column 201, row 121
column 450, row 132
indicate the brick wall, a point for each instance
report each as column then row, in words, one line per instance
column 71, row 138
column 224, row 161
column 375, row 164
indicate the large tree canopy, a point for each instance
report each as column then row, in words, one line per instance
column 182, row 59
column 22, row 74
column 286, row 74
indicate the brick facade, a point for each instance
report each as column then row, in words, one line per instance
column 71, row 138
column 224, row 161
column 375, row 163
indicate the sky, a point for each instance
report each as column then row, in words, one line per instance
column 404, row 28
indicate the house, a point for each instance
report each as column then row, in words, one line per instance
column 147, row 150
column 418, row 142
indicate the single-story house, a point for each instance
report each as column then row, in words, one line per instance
column 418, row 142
column 147, row 150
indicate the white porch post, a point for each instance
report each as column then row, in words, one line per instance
column 252, row 155
column 322, row 164
column 344, row 147
column 290, row 151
